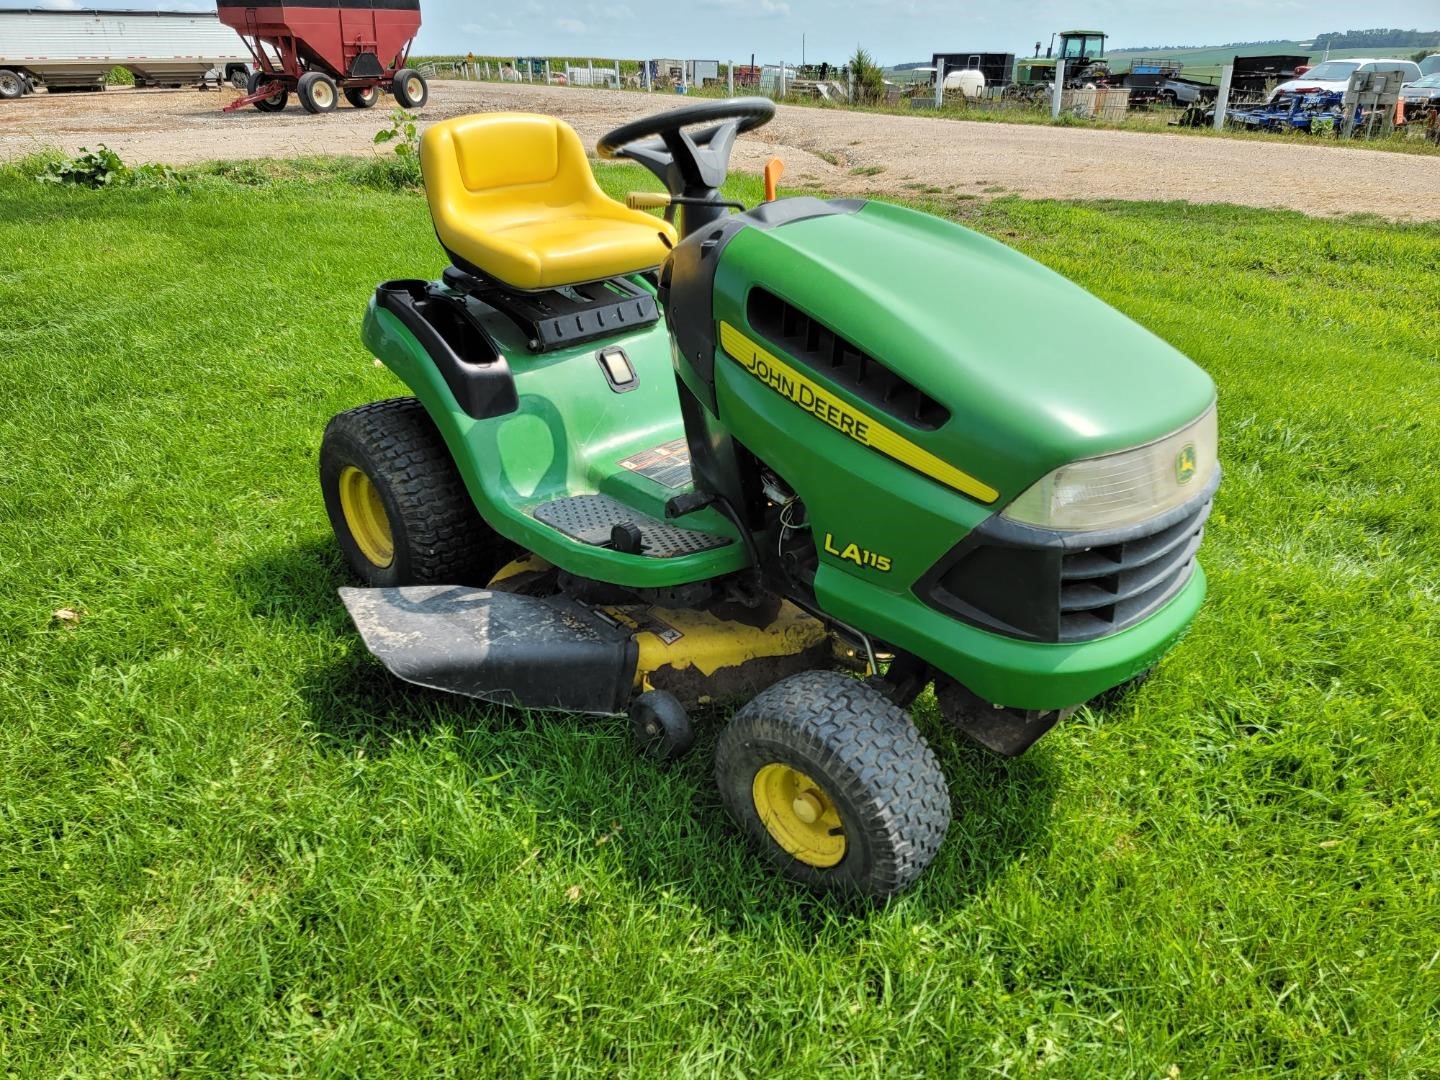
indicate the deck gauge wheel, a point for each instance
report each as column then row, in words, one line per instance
column 662, row 730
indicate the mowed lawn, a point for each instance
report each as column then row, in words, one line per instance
column 231, row 844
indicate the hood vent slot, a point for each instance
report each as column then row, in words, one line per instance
column 831, row 356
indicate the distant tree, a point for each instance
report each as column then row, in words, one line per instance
column 1377, row 38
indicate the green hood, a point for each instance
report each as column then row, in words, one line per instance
column 1035, row 371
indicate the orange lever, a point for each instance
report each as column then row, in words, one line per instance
column 774, row 169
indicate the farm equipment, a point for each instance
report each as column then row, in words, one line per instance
column 1149, row 79
column 1318, row 113
column 357, row 48
column 654, row 464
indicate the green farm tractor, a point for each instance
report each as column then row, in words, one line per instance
column 803, row 457
column 1083, row 52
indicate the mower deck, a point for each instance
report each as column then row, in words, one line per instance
column 553, row 652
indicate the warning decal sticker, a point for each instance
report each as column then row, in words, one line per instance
column 667, row 464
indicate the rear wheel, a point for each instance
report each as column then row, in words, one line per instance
column 410, row 88
column 396, row 501
column 238, row 77
column 276, row 101
column 362, row 97
column 12, row 84
column 834, row 784
column 317, row 92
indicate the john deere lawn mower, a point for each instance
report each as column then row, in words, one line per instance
column 805, row 456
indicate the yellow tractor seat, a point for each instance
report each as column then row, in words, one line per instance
column 512, row 196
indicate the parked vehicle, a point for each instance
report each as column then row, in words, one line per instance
column 355, row 48
column 75, row 50
column 1424, row 91
column 1430, row 65
column 1175, row 92
column 1334, row 75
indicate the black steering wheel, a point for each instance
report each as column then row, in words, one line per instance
column 692, row 166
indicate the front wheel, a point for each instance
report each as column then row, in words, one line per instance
column 276, row 101
column 410, row 88
column 400, row 510
column 12, row 84
column 835, row 785
column 317, row 92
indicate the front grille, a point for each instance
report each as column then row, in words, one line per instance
column 1043, row 585
column 1107, row 588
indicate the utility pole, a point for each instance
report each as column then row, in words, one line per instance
column 802, row 52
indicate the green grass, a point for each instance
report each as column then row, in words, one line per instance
column 231, row 845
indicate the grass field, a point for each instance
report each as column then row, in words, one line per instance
column 231, row 845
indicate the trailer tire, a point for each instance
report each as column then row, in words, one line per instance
column 317, row 92
column 363, row 97
column 238, row 76
column 410, row 88
column 275, row 102
column 12, row 84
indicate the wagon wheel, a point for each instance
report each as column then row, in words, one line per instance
column 410, row 88
column 362, row 97
column 317, row 92
column 276, row 101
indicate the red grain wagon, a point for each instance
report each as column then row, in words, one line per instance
column 322, row 48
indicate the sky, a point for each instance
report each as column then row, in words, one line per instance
column 895, row 31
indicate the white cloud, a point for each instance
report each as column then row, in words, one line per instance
column 571, row 26
column 59, row 5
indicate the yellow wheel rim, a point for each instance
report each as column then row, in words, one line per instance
column 323, row 95
column 365, row 516
column 799, row 815
column 413, row 88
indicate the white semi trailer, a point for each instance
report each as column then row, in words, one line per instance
column 75, row 50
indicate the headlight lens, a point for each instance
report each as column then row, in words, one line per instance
column 1122, row 489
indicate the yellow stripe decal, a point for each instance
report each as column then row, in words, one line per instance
column 825, row 406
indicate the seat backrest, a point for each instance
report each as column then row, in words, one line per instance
column 511, row 165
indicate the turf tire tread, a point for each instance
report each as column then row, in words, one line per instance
column 870, row 751
column 440, row 538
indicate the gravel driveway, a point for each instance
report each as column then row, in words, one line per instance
column 843, row 151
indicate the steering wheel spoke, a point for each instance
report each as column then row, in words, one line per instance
column 691, row 164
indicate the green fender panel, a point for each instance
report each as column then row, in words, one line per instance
column 567, row 438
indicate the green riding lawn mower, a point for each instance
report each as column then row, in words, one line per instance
column 805, row 457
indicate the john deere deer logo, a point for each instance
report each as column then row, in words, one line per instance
column 1185, row 464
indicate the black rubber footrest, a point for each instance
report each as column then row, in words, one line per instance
column 589, row 519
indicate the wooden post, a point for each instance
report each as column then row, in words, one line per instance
column 1222, row 99
column 617, row 74
column 730, row 80
column 939, row 83
column 547, row 71
column 781, row 83
column 1059, row 89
